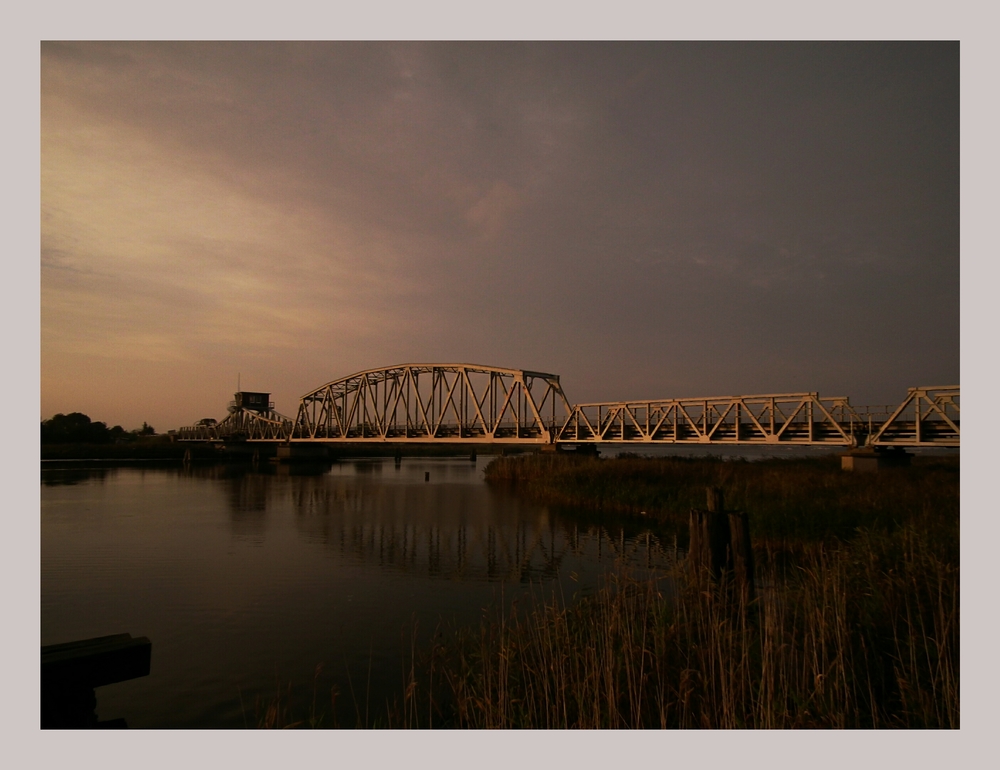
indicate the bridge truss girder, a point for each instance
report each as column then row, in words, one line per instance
column 434, row 402
column 929, row 416
column 787, row 418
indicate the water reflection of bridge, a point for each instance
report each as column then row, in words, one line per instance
column 455, row 531
column 466, row 403
column 422, row 530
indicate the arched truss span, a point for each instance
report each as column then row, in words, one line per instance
column 435, row 402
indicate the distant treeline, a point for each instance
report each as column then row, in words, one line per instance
column 77, row 428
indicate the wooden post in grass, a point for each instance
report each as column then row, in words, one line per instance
column 720, row 543
column 741, row 553
column 709, row 536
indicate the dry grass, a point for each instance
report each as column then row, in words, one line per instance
column 855, row 637
column 276, row 712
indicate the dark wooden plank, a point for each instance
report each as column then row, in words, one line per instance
column 96, row 662
column 70, row 672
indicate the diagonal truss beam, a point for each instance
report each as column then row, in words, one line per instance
column 722, row 420
column 929, row 416
column 433, row 402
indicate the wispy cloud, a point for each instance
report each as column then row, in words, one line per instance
column 676, row 214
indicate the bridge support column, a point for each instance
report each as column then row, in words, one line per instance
column 294, row 452
column 872, row 459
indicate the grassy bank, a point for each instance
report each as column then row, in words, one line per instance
column 152, row 449
column 788, row 500
column 161, row 448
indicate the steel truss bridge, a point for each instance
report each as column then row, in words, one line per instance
column 467, row 403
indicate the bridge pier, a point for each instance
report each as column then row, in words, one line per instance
column 294, row 452
column 871, row 459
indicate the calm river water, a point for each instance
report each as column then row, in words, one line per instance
column 246, row 580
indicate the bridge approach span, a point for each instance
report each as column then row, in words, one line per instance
column 927, row 417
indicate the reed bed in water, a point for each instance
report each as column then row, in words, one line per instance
column 864, row 636
column 791, row 500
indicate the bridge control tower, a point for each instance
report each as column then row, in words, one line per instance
column 251, row 401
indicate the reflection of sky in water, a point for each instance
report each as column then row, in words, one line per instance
column 239, row 576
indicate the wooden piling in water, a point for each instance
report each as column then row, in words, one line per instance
column 720, row 544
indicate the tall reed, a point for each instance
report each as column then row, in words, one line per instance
column 857, row 637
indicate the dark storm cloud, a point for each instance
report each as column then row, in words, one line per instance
column 644, row 219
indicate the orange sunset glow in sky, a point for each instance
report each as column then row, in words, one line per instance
column 647, row 220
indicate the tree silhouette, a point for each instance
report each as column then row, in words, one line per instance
column 77, row 428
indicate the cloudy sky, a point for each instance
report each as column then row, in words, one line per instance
column 645, row 220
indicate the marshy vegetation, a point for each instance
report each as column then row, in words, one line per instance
column 790, row 501
column 852, row 637
column 855, row 623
